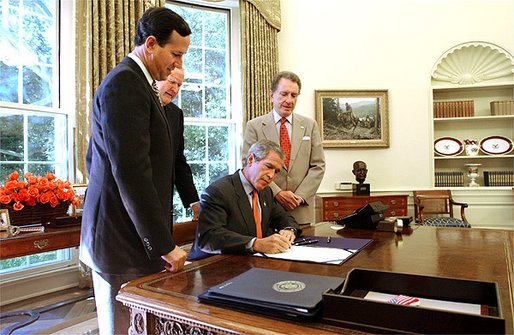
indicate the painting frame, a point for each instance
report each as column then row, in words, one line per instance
column 353, row 118
column 80, row 191
column 5, row 221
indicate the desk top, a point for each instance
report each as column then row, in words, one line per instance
column 478, row 254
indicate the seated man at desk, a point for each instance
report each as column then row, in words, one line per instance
column 238, row 214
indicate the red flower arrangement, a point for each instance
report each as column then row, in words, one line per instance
column 36, row 190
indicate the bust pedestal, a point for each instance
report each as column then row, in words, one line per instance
column 360, row 189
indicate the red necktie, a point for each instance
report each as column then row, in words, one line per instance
column 285, row 143
column 256, row 215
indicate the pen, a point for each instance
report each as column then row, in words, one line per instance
column 350, row 251
column 305, row 242
column 329, row 239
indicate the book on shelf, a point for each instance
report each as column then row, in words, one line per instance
column 499, row 178
column 502, row 107
column 449, row 179
column 448, row 109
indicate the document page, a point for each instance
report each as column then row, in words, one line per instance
column 313, row 254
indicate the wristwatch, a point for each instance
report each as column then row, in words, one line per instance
column 293, row 229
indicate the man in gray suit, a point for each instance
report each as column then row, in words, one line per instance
column 126, row 227
column 295, row 186
column 227, row 221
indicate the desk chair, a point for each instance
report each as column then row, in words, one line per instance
column 440, row 203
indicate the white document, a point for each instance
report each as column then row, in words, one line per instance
column 460, row 307
column 313, row 254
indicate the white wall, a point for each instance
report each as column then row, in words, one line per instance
column 384, row 44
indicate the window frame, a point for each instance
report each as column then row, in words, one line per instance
column 234, row 118
column 63, row 97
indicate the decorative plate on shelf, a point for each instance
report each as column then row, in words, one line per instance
column 496, row 145
column 448, row 146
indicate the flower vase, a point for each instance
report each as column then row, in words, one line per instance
column 473, row 174
column 41, row 213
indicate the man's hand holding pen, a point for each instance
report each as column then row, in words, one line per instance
column 272, row 244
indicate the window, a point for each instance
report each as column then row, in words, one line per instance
column 207, row 98
column 34, row 129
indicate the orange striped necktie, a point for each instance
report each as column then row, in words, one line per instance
column 285, row 143
column 256, row 215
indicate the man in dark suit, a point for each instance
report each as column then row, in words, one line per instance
column 227, row 223
column 168, row 89
column 126, row 227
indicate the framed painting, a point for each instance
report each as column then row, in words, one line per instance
column 4, row 219
column 353, row 118
column 80, row 191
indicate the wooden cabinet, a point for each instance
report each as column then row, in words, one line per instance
column 480, row 73
column 33, row 243
column 333, row 206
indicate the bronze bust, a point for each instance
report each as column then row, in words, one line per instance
column 360, row 171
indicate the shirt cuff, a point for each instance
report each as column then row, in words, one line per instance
column 249, row 245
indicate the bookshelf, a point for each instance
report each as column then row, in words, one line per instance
column 468, row 81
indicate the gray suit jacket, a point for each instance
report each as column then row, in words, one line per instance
column 226, row 224
column 306, row 165
column 126, row 224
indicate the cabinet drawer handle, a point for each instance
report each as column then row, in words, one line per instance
column 393, row 201
column 336, row 203
column 393, row 213
column 41, row 244
column 336, row 215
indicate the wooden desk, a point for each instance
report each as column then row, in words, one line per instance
column 168, row 301
column 336, row 206
column 32, row 243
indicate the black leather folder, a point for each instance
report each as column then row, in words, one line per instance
column 273, row 292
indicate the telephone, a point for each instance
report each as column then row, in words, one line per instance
column 366, row 217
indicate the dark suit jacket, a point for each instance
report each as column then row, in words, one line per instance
column 183, row 177
column 126, row 222
column 226, row 224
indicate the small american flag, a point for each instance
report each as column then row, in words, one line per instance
column 404, row 300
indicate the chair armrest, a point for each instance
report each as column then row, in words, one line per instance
column 462, row 207
column 465, row 205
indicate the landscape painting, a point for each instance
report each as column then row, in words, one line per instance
column 353, row 118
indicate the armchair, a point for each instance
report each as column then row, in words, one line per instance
column 435, row 208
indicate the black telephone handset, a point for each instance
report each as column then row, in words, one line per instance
column 365, row 217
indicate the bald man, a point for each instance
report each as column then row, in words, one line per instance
column 168, row 90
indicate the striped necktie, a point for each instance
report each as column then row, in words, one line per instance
column 156, row 91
